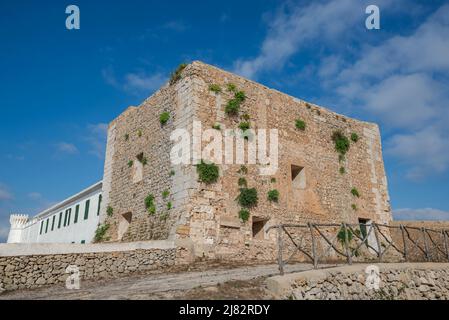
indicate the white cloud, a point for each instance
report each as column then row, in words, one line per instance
column 134, row 83
column 141, row 82
column 420, row 214
column 97, row 139
column 403, row 83
column 67, row 148
column 292, row 28
column 35, row 196
column 4, row 193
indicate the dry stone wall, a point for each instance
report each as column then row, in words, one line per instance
column 409, row 281
column 32, row 271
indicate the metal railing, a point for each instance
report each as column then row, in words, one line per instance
column 324, row 242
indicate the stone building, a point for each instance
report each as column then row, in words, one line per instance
column 147, row 196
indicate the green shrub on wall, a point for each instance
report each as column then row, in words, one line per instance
column 244, row 215
column 355, row 192
column 354, row 137
column 109, row 211
column 207, row 172
column 232, row 107
column 215, row 88
column 101, row 232
column 247, row 197
column 273, row 195
column 165, row 194
column 244, row 126
column 149, row 204
column 300, row 124
column 242, row 182
column 231, row 87
column 164, row 117
column 341, row 142
column 176, row 75
column 130, row 163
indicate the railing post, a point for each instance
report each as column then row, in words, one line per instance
column 403, row 241
column 314, row 255
column 280, row 248
column 348, row 253
column 379, row 246
column 426, row 247
column 446, row 244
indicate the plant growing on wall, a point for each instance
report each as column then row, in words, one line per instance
column 169, row 205
column 355, row 192
column 342, row 170
column 300, row 124
column 231, row 87
column 142, row 159
column 273, row 180
column 216, row 126
column 243, row 170
column 207, row 172
column 165, row 194
column 139, row 133
column 245, row 117
column 242, row 182
column 164, row 117
column 354, row 137
column 247, row 197
column 244, row 215
column 149, row 204
column 341, row 142
column 130, row 163
column 101, row 232
column 172, row 173
column 126, row 137
column 109, row 211
column 354, row 207
column 273, row 195
column 215, row 88
column 232, row 107
column 244, row 126
column 176, row 75
column 240, row 96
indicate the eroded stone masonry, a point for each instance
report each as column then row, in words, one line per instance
column 313, row 180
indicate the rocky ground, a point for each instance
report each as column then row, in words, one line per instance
column 204, row 283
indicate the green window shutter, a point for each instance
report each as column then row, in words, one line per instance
column 99, row 204
column 77, row 210
column 70, row 216
column 53, row 223
column 60, row 220
column 42, row 225
column 86, row 210
column 46, row 225
column 65, row 217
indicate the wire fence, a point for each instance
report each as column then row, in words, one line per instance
column 363, row 242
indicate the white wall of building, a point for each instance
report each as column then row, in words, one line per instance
column 59, row 223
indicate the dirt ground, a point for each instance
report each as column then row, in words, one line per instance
column 200, row 282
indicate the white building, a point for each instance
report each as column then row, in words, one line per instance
column 73, row 220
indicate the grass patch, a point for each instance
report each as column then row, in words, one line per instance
column 207, row 172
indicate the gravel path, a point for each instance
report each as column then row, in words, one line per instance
column 151, row 286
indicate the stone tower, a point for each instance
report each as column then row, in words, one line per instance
column 17, row 222
column 148, row 196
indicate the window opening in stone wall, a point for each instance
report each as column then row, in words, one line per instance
column 298, row 177
column 258, row 227
column 125, row 221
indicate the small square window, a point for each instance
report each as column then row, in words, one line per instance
column 258, row 228
column 298, row 177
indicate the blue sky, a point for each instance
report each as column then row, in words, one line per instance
column 60, row 88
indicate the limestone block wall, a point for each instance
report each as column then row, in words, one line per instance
column 206, row 216
column 214, row 225
column 94, row 262
column 410, row 281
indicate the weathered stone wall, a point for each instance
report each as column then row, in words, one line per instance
column 206, row 216
column 31, row 271
column 214, row 225
column 434, row 239
column 426, row 281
